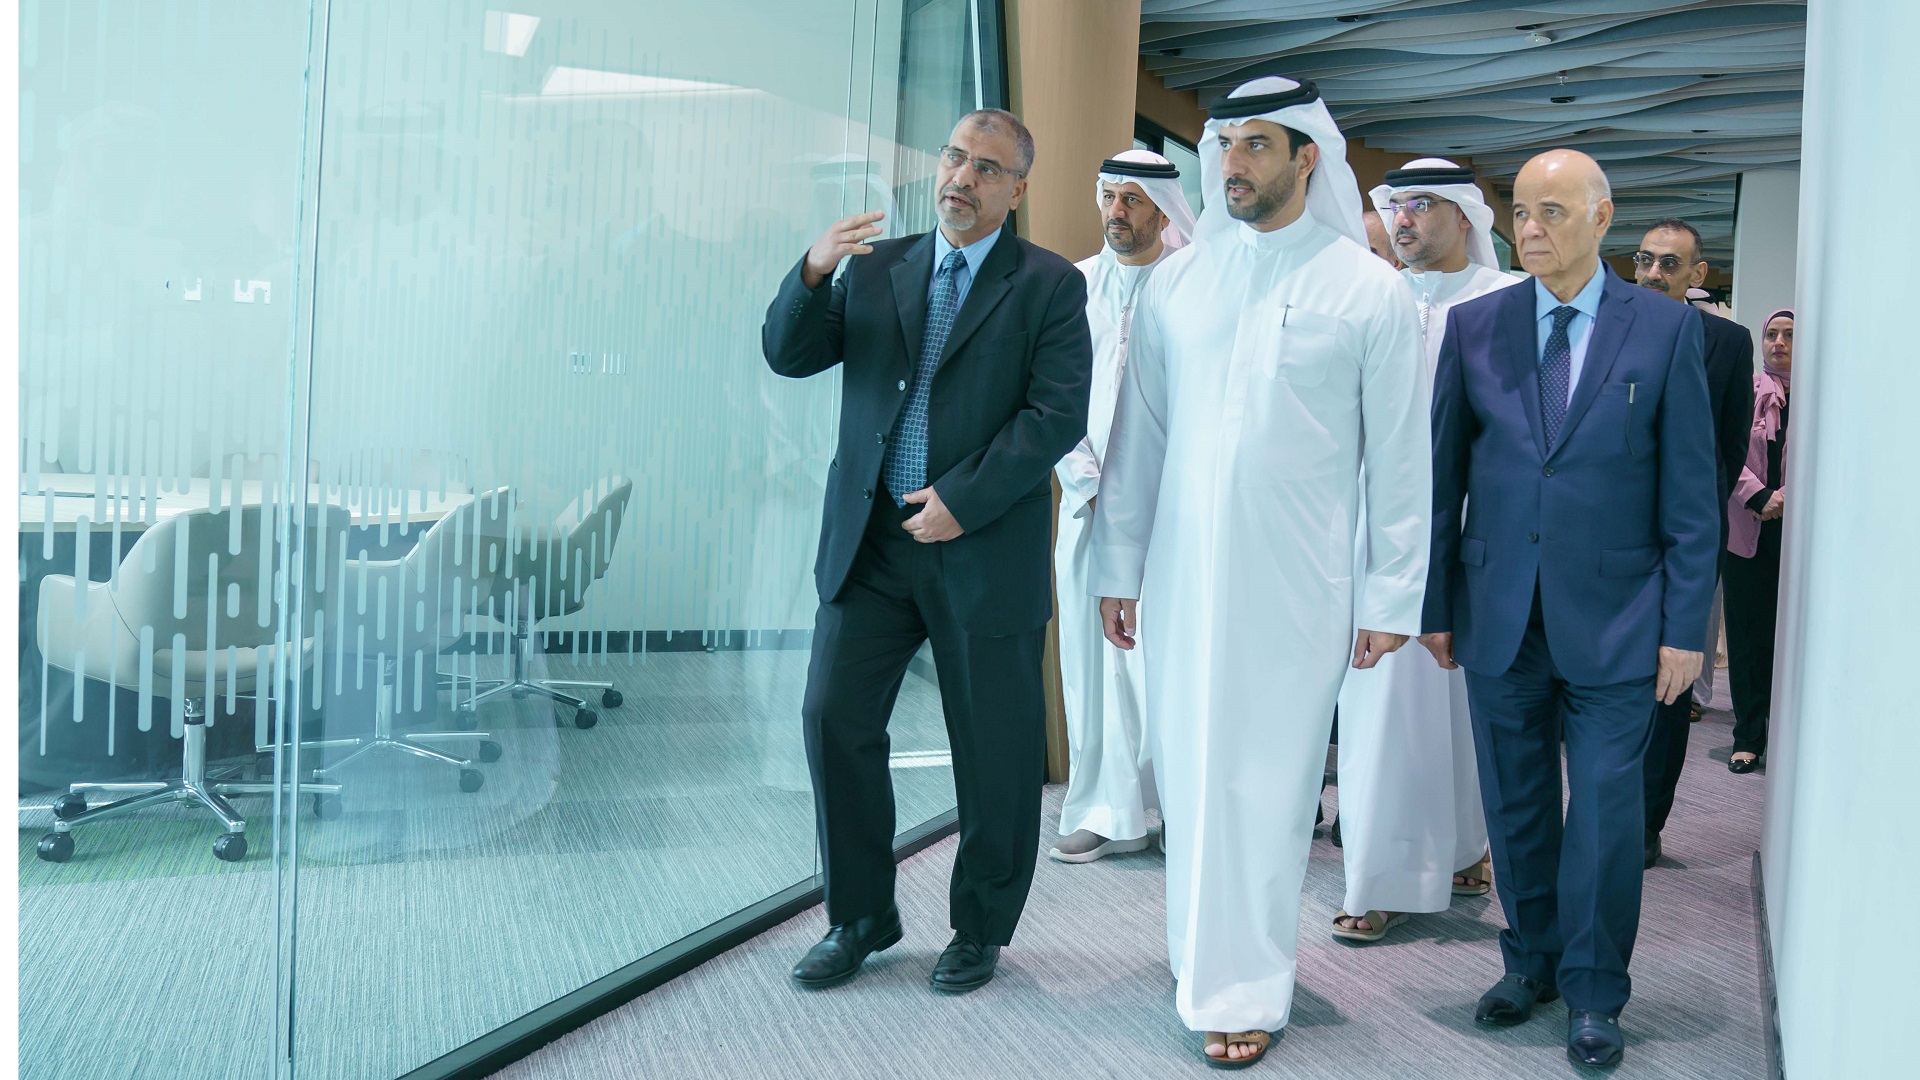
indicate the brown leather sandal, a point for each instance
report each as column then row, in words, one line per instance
column 1382, row 921
column 1482, row 871
column 1226, row 1039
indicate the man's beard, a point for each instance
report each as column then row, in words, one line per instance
column 954, row 217
column 1424, row 253
column 1129, row 240
column 1267, row 201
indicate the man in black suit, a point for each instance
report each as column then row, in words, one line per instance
column 1670, row 262
column 966, row 366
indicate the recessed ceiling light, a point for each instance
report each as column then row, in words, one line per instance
column 1349, row 18
column 1563, row 100
column 1715, row 75
column 1529, row 26
column 1540, row 37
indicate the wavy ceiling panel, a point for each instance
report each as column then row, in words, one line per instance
column 1675, row 98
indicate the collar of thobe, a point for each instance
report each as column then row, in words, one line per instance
column 1120, row 284
column 1333, row 195
column 1287, row 236
column 1440, row 284
column 1454, row 183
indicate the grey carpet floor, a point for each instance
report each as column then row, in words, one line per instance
column 428, row 916
column 1085, row 991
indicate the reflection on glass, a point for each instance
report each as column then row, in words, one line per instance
column 498, row 568
column 543, row 254
column 159, row 202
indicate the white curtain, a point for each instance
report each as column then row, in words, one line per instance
column 1841, row 852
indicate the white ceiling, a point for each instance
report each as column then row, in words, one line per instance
column 1674, row 97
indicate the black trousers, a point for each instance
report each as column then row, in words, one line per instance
column 990, row 688
column 1569, row 886
column 1751, row 593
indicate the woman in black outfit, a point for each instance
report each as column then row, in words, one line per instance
column 1751, row 579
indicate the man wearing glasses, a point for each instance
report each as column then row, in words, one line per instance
column 1670, row 263
column 965, row 363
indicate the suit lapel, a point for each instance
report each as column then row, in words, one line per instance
column 910, row 277
column 1603, row 347
column 989, row 287
column 1523, row 352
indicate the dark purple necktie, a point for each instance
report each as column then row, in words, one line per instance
column 1554, row 367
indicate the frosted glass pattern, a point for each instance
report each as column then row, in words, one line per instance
column 399, row 470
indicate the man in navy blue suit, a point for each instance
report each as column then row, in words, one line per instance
column 1571, row 425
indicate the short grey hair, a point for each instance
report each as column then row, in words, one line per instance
column 1598, row 191
column 1002, row 122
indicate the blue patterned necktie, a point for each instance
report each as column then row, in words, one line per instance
column 906, row 463
column 1554, row 367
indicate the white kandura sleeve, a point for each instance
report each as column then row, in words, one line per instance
column 1079, row 474
column 1395, row 396
column 1136, row 458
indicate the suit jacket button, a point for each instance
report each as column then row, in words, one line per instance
column 1533, row 538
column 903, row 384
column 1548, row 471
column 866, row 493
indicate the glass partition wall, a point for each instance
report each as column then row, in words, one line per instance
column 401, row 474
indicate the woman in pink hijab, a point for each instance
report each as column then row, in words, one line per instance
column 1751, row 578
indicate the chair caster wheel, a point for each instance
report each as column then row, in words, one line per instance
column 471, row 779
column 231, row 847
column 611, row 699
column 585, row 718
column 69, row 806
column 55, row 847
column 489, row 751
column 466, row 719
column 326, row 807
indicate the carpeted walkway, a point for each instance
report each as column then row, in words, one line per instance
column 1085, row 991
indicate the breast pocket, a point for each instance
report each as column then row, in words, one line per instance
column 1635, row 403
column 1306, row 345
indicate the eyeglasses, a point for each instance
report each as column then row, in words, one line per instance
column 1416, row 206
column 1669, row 263
column 954, row 157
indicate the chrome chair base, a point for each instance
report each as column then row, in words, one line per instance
column 194, row 787
column 521, row 685
column 415, row 743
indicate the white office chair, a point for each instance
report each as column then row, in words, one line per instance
column 552, row 571
column 190, row 616
column 404, row 613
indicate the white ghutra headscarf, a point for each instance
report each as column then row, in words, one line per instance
column 1333, row 195
column 1454, row 183
column 1160, row 179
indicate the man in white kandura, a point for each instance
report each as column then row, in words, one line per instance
column 1109, row 782
column 1230, row 497
column 1409, row 796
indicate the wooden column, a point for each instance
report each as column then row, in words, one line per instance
column 1070, row 70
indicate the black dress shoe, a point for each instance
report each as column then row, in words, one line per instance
column 1747, row 766
column 839, row 955
column 966, row 964
column 1594, row 1040
column 1652, row 850
column 1511, row 1001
